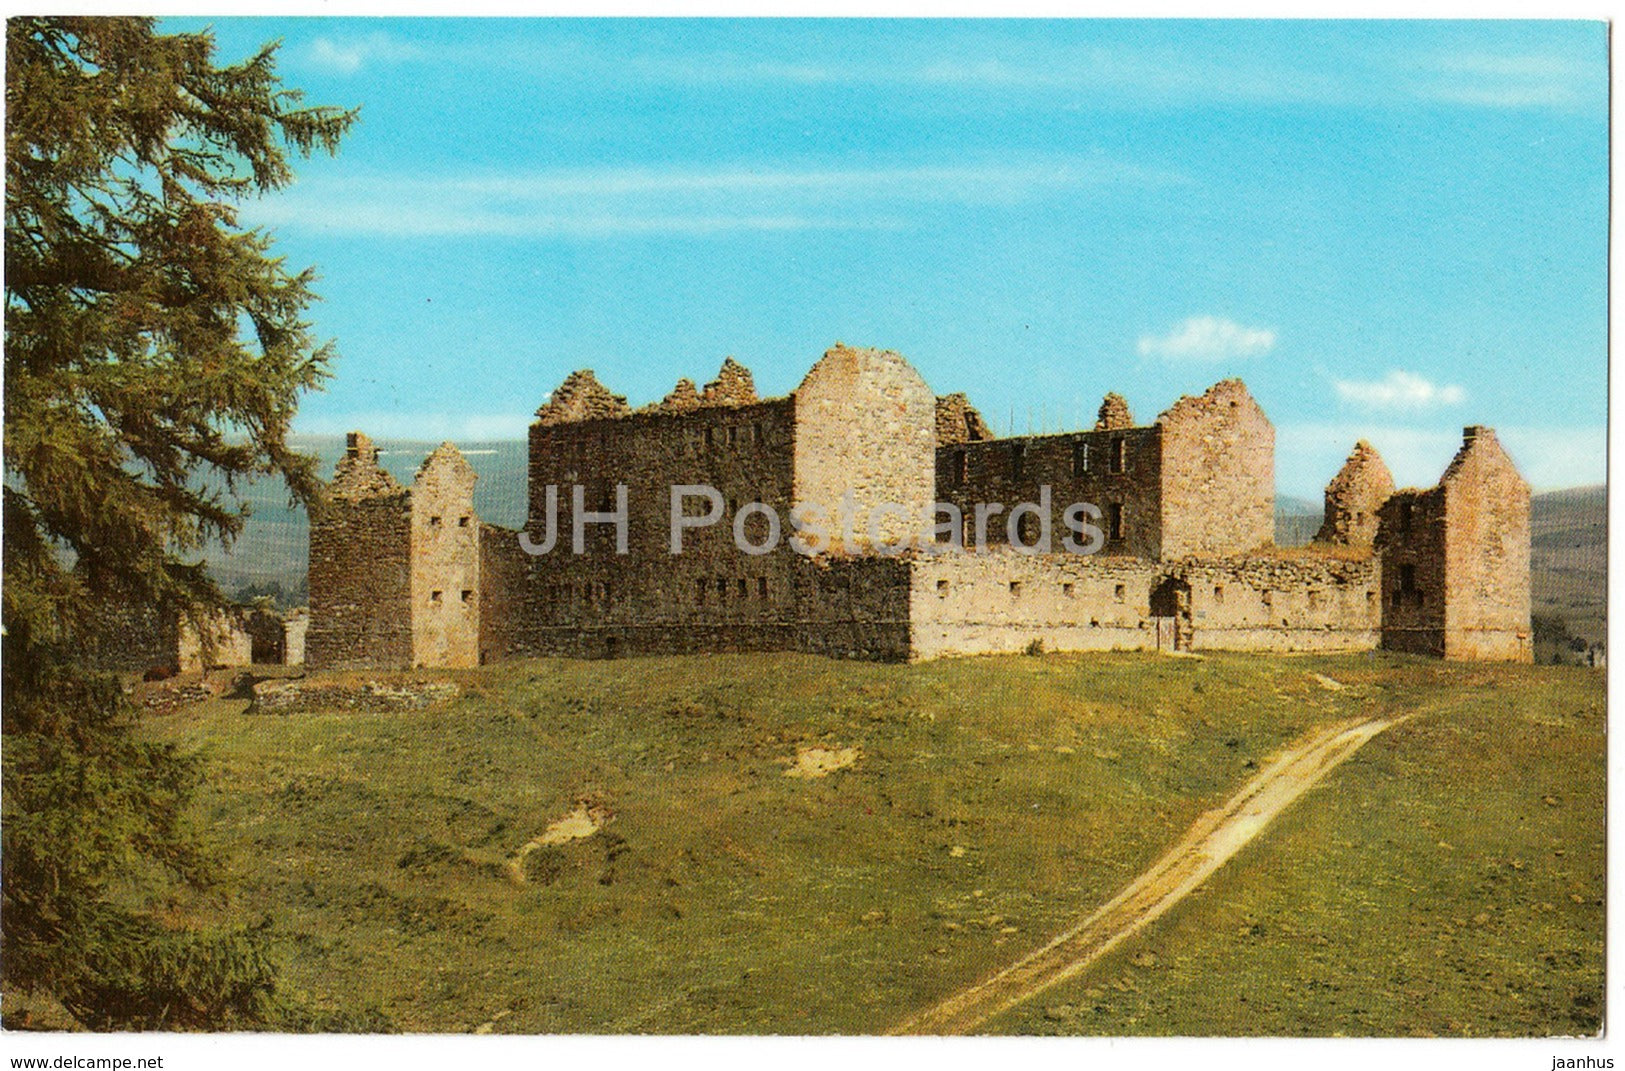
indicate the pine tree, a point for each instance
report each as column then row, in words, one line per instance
column 155, row 351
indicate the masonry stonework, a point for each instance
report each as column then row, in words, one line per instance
column 1183, row 527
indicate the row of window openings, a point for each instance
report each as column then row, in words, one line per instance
column 734, row 434
column 438, row 597
column 704, row 585
column 592, row 591
column 1027, row 528
column 462, row 522
column 1068, row 589
column 1120, row 593
column 1117, row 460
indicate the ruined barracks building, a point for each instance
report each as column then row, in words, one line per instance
column 409, row 576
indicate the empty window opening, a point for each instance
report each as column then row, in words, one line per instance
column 722, row 585
column 1119, row 455
column 1080, row 458
column 1018, row 461
column 1120, row 592
column 1404, row 516
column 1066, row 589
column 1114, row 516
column 710, row 438
column 462, row 522
column 1218, row 594
column 1015, row 588
column 434, row 596
column 743, row 591
column 468, row 595
column 434, row 522
column 761, row 587
column 958, row 468
column 942, row 588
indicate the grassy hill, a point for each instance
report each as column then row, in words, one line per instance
column 1448, row 881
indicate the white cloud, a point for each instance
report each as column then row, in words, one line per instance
column 349, row 56
column 1399, row 390
column 599, row 202
column 1208, row 338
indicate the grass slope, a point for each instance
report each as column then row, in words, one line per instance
column 993, row 801
column 1448, row 881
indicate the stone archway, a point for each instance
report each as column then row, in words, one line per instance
column 1171, row 614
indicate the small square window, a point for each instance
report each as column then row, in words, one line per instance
column 1066, row 589
column 743, row 591
column 942, row 587
column 468, row 595
column 434, row 522
column 434, row 596
column 1218, row 594
column 1015, row 588
column 1120, row 592
column 462, row 522
column 722, row 585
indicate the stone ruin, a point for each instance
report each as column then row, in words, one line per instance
column 409, row 576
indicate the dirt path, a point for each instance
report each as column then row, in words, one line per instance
column 1208, row 845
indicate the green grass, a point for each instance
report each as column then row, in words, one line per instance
column 994, row 800
column 1447, row 881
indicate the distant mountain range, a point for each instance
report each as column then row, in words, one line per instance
column 1569, row 563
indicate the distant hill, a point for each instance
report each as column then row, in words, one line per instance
column 1568, row 563
column 1296, row 520
column 273, row 549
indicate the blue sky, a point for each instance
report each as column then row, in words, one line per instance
column 1388, row 230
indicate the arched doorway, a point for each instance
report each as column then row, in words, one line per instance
column 1171, row 614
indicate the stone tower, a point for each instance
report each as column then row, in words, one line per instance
column 445, row 562
column 394, row 571
column 1354, row 497
column 360, row 566
column 1455, row 559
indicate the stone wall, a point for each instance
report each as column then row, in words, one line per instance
column 1001, row 601
column 1119, row 472
column 866, row 426
column 507, row 587
column 1411, row 537
column 360, row 567
column 959, row 422
column 1218, row 474
column 445, row 562
column 1487, row 548
column 294, row 627
column 1455, row 560
column 1285, row 603
column 1354, row 498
